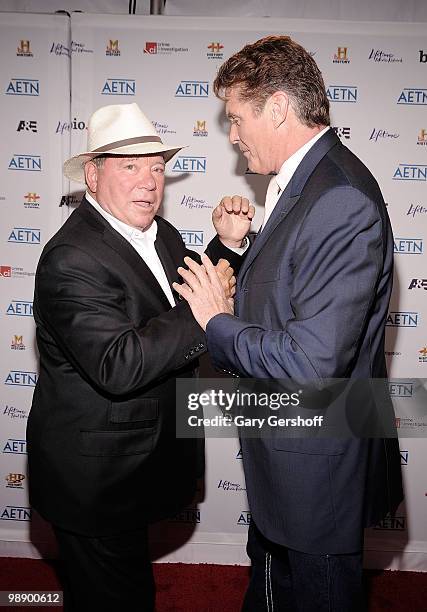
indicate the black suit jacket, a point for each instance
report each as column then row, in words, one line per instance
column 312, row 300
column 102, row 451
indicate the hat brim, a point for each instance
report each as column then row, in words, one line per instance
column 73, row 168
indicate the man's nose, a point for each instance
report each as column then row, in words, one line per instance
column 233, row 136
column 146, row 180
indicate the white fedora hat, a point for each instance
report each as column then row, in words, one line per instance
column 118, row 129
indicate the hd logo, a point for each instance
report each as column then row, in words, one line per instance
column 14, row 481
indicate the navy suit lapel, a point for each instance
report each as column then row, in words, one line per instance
column 290, row 196
column 122, row 247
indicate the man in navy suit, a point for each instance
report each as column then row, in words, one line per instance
column 311, row 304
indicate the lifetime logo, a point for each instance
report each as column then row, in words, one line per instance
column 28, row 163
column 192, row 237
column 16, row 378
column 410, row 172
column 15, row 513
column 189, row 164
column 23, row 87
column 60, row 49
column 119, row 87
column 192, row 89
column 15, row 413
column 408, row 246
column 244, row 518
column 415, row 96
column 401, row 388
column 20, row 309
column 16, row 447
column 402, row 319
column 25, row 235
column 342, row 93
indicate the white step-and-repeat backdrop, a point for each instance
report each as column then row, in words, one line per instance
column 376, row 78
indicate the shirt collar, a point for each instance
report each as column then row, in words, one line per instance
column 127, row 231
column 291, row 164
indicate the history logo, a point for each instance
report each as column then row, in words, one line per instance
column 23, row 49
column 341, row 56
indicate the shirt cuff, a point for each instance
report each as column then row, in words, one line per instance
column 242, row 249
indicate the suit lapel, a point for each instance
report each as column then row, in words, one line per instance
column 282, row 208
column 124, row 249
column 169, row 265
column 290, row 196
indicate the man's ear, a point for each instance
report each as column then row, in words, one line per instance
column 91, row 175
column 279, row 106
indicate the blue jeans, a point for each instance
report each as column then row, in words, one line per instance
column 285, row 580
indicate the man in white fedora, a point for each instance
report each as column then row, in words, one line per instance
column 104, row 460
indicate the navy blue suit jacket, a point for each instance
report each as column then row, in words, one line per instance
column 311, row 304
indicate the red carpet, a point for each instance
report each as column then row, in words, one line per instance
column 216, row 588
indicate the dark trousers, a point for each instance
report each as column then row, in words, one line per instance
column 285, row 580
column 106, row 574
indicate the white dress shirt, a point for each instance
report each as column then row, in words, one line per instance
column 142, row 242
column 280, row 181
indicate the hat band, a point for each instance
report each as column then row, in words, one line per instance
column 128, row 141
